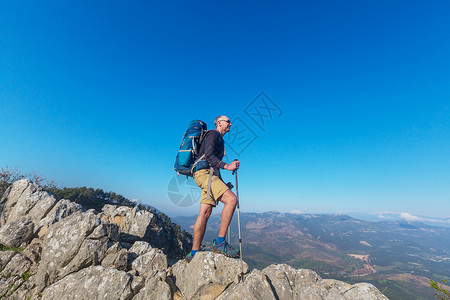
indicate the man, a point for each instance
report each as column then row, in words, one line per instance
column 213, row 149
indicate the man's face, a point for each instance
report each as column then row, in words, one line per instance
column 225, row 123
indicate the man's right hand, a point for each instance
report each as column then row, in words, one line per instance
column 233, row 166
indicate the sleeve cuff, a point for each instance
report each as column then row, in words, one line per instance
column 222, row 165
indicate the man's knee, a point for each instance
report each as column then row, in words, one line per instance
column 205, row 212
column 229, row 198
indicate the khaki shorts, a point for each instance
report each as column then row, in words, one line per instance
column 218, row 187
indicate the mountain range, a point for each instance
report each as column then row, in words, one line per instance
column 402, row 216
column 398, row 257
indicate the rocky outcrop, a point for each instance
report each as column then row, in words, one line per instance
column 136, row 225
column 213, row 274
column 94, row 282
column 15, row 233
column 60, row 251
column 25, row 199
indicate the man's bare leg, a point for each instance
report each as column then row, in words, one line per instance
column 200, row 225
column 230, row 201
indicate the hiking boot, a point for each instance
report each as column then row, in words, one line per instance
column 225, row 248
column 189, row 257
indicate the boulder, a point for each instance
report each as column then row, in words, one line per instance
column 291, row 283
column 208, row 273
column 155, row 289
column 5, row 258
column 150, row 263
column 33, row 250
column 363, row 291
column 133, row 224
column 63, row 208
column 139, row 248
column 13, row 234
column 254, row 286
column 94, row 282
column 68, row 248
column 25, row 199
column 116, row 258
column 142, row 225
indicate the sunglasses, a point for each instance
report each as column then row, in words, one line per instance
column 228, row 121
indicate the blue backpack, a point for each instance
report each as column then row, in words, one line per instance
column 187, row 157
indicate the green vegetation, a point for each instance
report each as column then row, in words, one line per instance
column 25, row 276
column 90, row 197
column 6, row 248
column 441, row 292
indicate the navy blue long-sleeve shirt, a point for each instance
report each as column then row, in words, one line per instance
column 213, row 147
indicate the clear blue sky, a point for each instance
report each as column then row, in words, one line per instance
column 99, row 94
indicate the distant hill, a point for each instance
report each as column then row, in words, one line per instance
column 397, row 256
column 390, row 216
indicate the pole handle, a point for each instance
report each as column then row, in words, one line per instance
column 234, row 171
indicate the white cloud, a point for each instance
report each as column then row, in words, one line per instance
column 409, row 217
column 296, row 211
column 383, row 217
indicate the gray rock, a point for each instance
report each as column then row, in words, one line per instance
column 136, row 225
column 14, row 275
column 208, row 273
column 356, row 291
column 62, row 209
column 9, row 285
column 139, row 248
column 150, row 263
column 91, row 253
column 155, row 289
column 105, row 230
column 91, row 283
column 25, row 199
column 62, row 243
column 10, row 197
column 133, row 223
column 363, row 291
column 114, row 248
column 33, row 250
column 14, row 233
column 291, row 283
column 24, row 291
column 17, row 266
column 255, row 286
column 117, row 260
column 340, row 286
column 5, row 258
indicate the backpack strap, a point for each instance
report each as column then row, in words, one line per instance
column 208, row 194
column 196, row 162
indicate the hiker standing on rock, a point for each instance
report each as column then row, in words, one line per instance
column 207, row 173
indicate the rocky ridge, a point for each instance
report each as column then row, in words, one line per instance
column 58, row 250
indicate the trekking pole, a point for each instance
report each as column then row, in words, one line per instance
column 239, row 223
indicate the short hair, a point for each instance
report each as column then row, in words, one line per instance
column 216, row 121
